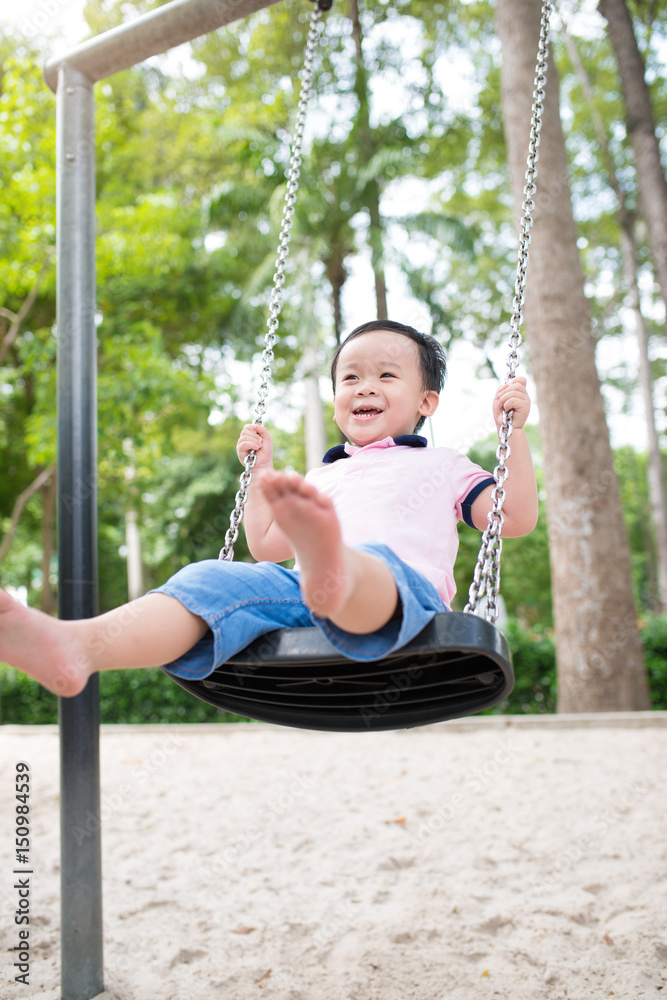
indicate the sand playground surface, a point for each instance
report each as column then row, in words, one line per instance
column 516, row 858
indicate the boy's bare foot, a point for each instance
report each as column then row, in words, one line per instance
column 309, row 521
column 42, row 647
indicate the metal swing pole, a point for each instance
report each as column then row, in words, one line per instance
column 72, row 76
column 82, row 974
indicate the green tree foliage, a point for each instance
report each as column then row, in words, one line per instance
column 190, row 179
column 166, row 302
column 631, row 471
column 138, row 696
column 525, row 579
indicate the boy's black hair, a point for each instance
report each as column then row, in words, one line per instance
column 431, row 354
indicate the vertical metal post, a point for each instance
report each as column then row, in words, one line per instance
column 82, row 974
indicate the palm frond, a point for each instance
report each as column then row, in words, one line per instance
column 389, row 156
column 446, row 229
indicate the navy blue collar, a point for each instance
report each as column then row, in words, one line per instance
column 338, row 451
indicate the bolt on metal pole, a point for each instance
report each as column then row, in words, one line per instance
column 82, row 975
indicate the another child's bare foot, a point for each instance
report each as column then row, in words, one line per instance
column 309, row 521
column 42, row 647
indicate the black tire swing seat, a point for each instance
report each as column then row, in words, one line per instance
column 460, row 664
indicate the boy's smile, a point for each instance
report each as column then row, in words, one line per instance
column 379, row 388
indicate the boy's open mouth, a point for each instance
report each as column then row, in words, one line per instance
column 366, row 411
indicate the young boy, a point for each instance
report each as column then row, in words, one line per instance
column 373, row 532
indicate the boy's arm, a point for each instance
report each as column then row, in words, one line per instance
column 520, row 506
column 265, row 539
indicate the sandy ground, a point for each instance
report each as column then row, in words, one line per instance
column 490, row 858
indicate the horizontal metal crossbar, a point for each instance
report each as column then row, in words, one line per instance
column 177, row 22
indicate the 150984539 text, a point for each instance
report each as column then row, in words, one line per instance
column 22, row 871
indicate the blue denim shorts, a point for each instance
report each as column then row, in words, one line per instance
column 241, row 601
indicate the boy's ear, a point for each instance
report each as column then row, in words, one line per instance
column 430, row 403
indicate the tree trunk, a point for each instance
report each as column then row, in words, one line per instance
column 367, row 150
column 655, row 471
column 29, row 301
column 316, row 442
column 599, row 655
column 47, row 601
column 627, row 220
column 336, row 295
column 135, row 569
column 641, row 128
column 135, row 564
column 20, row 503
column 337, row 275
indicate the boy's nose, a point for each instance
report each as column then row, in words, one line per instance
column 365, row 389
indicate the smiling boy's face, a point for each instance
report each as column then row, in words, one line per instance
column 379, row 388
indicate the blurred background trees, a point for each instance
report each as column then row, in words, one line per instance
column 406, row 198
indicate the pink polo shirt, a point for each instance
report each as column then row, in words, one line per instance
column 408, row 498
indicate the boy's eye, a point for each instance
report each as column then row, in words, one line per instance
column 346, row 378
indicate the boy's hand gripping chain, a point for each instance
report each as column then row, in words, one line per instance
column 486, row 578
column 227, row 552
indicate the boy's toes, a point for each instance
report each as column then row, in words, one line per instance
column 272, row 485
column 280, row 485
column 306, row 490
column 7, row 603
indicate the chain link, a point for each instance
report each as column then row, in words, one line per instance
column 486, row 578
column 275, row 303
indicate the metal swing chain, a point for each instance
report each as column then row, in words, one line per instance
column 275, row 304
column 486, row 578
